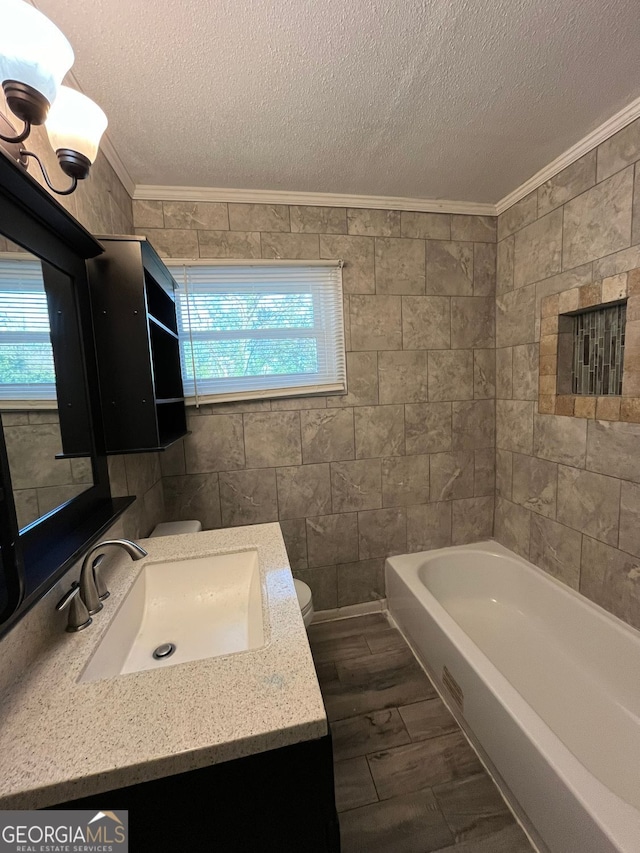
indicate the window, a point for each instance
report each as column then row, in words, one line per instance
column 26, row 356
column 264, row 330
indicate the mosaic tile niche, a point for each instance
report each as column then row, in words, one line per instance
column 590, row 350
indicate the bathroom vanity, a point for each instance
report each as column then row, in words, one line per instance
column 231, row 751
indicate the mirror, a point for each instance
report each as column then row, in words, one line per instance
column 41, row 480
column 56, row 462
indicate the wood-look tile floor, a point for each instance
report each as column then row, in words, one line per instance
column 407, row 781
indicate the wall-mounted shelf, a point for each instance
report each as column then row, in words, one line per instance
column 134, row 318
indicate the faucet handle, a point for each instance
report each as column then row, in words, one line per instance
column 78, row 614
column 101, row 587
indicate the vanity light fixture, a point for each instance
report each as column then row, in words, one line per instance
column 34, row 57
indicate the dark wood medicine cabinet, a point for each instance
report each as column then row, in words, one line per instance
column 136, row 334
column 33, row 556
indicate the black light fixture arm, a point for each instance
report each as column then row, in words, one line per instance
column 20, row 137
column 74, row 180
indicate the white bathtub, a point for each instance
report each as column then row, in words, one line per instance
column 547, row 684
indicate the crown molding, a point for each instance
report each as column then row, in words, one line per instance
column 113, row 158
column 612, row 125
column 149, row 192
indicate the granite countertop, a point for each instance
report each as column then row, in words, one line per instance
column 61, row 739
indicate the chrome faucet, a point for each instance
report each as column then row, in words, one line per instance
column 89, row 585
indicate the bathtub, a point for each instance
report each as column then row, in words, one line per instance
column 546, row 684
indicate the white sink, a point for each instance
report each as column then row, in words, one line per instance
column 204, row 606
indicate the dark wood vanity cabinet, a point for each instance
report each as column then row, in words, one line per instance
column 282, row 800
column 136, row 334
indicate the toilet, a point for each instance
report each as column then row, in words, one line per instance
column 175, row 528
column 305, row 600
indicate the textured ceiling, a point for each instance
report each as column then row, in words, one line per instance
column 455, row 99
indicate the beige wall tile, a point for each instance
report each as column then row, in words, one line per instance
column 538, row 249
column 272, row 439
column 332, row 539
column 635, row 230
column 373, row 223
column 356, row 485
column 484, row 269
column 425, row 226
column 376, row 322
column 535, row 484
column 512, row 526
column 403, row 377
column 259, row 217
column 379, row 431
column 405, row 480
column 472, row 520
column 452, row 475
column 290, row 246
column 504, row 373
column 294, row 533
column 612, row 448
column 515, row 317
column 449, row 268
column 428, row 526
column 620, row 150
column 525, row 372
column 147, row 214
column 567, row 184
column 514, row 425
column 426, row 322
column 362, row 381
column 598, row 222
column 472, row 322
column 358, row 255
column 361, row 581
column 228, row 244
column 318, row 220
column 428, row 427
column 626, row 259
column 484, row 475
column 504, row 474
column 630, row 518
column 248, row 497
column 560, row 439
column 171, row 243
column 505, row 261
column 556, row 549
column 611, row 578
column 205, row 215
column 216, row 443
column 327, row 435
column 473, row 424
column 481, row 229
column 193, row 496
column 589, row 503
column 382, row 533
column 399, row 265
column 450, row 375
column 518, row 215
column 484, row 374
column 303, row 490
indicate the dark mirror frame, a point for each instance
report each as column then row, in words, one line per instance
column 33, row 560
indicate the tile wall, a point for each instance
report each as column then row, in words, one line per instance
column 404, row 461
column 568, row 489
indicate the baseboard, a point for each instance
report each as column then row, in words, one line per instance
column 350, row 611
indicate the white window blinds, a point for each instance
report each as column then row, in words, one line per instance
column 26, row 356
column 260, row 331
